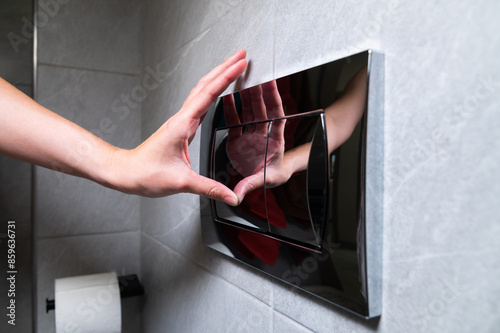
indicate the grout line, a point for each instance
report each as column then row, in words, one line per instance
column 88, row 234
column 202, row 267
column 440, row 255
column 177, row 226
column 294, row 321
column 89, row 69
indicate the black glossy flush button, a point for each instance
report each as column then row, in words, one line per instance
column 297, row 208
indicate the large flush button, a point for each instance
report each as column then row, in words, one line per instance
column 239, row 152
column 289, row 210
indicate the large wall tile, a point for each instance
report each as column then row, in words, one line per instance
column 438, row 290
column 182, row 297
column 103, row 35
column 82, row 255
column 282, row 324
column 171, row 24
column 106, row 104
column 314, row 32
column 16, row 47
column 66, row 205
column 439, row 166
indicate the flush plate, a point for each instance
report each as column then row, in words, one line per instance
column 321, row 229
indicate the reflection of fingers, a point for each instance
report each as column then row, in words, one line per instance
column 258, row 106
column 199, row 104
column 231, row 116
column 211, row 189
column 230, row 110
column 277, row 132
column 272, row 100
column 248, row 184
column 217, row 71
column 246, row 106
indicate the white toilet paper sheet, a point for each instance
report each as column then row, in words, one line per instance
column 88, row 304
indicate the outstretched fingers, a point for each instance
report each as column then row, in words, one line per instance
column 213, row 84
column 241, row 54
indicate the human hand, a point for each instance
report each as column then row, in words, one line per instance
column 161, row 165
column 247, row 149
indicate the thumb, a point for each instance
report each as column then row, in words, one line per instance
column 248, row 184
column 211, row 189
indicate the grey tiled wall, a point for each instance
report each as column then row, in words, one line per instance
column 441, row 159
column 100, row 35
column 88, row 59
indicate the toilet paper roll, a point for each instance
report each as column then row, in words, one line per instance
column 89, row 303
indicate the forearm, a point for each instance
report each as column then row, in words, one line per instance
column 32, row 133
column 342, row 116
column 297, row 158
column 340, row 119
column 160, row 166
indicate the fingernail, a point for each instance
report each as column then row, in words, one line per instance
column 230, row 200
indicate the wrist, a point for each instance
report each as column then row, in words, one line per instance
column 295, row 160
column 288, row 165
column 115, row 173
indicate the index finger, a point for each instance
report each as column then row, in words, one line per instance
column 216, row 72
column 207, row 92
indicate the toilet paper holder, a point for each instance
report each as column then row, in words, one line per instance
column 130, row 286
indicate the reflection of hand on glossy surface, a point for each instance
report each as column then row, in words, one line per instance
column 246, row 148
